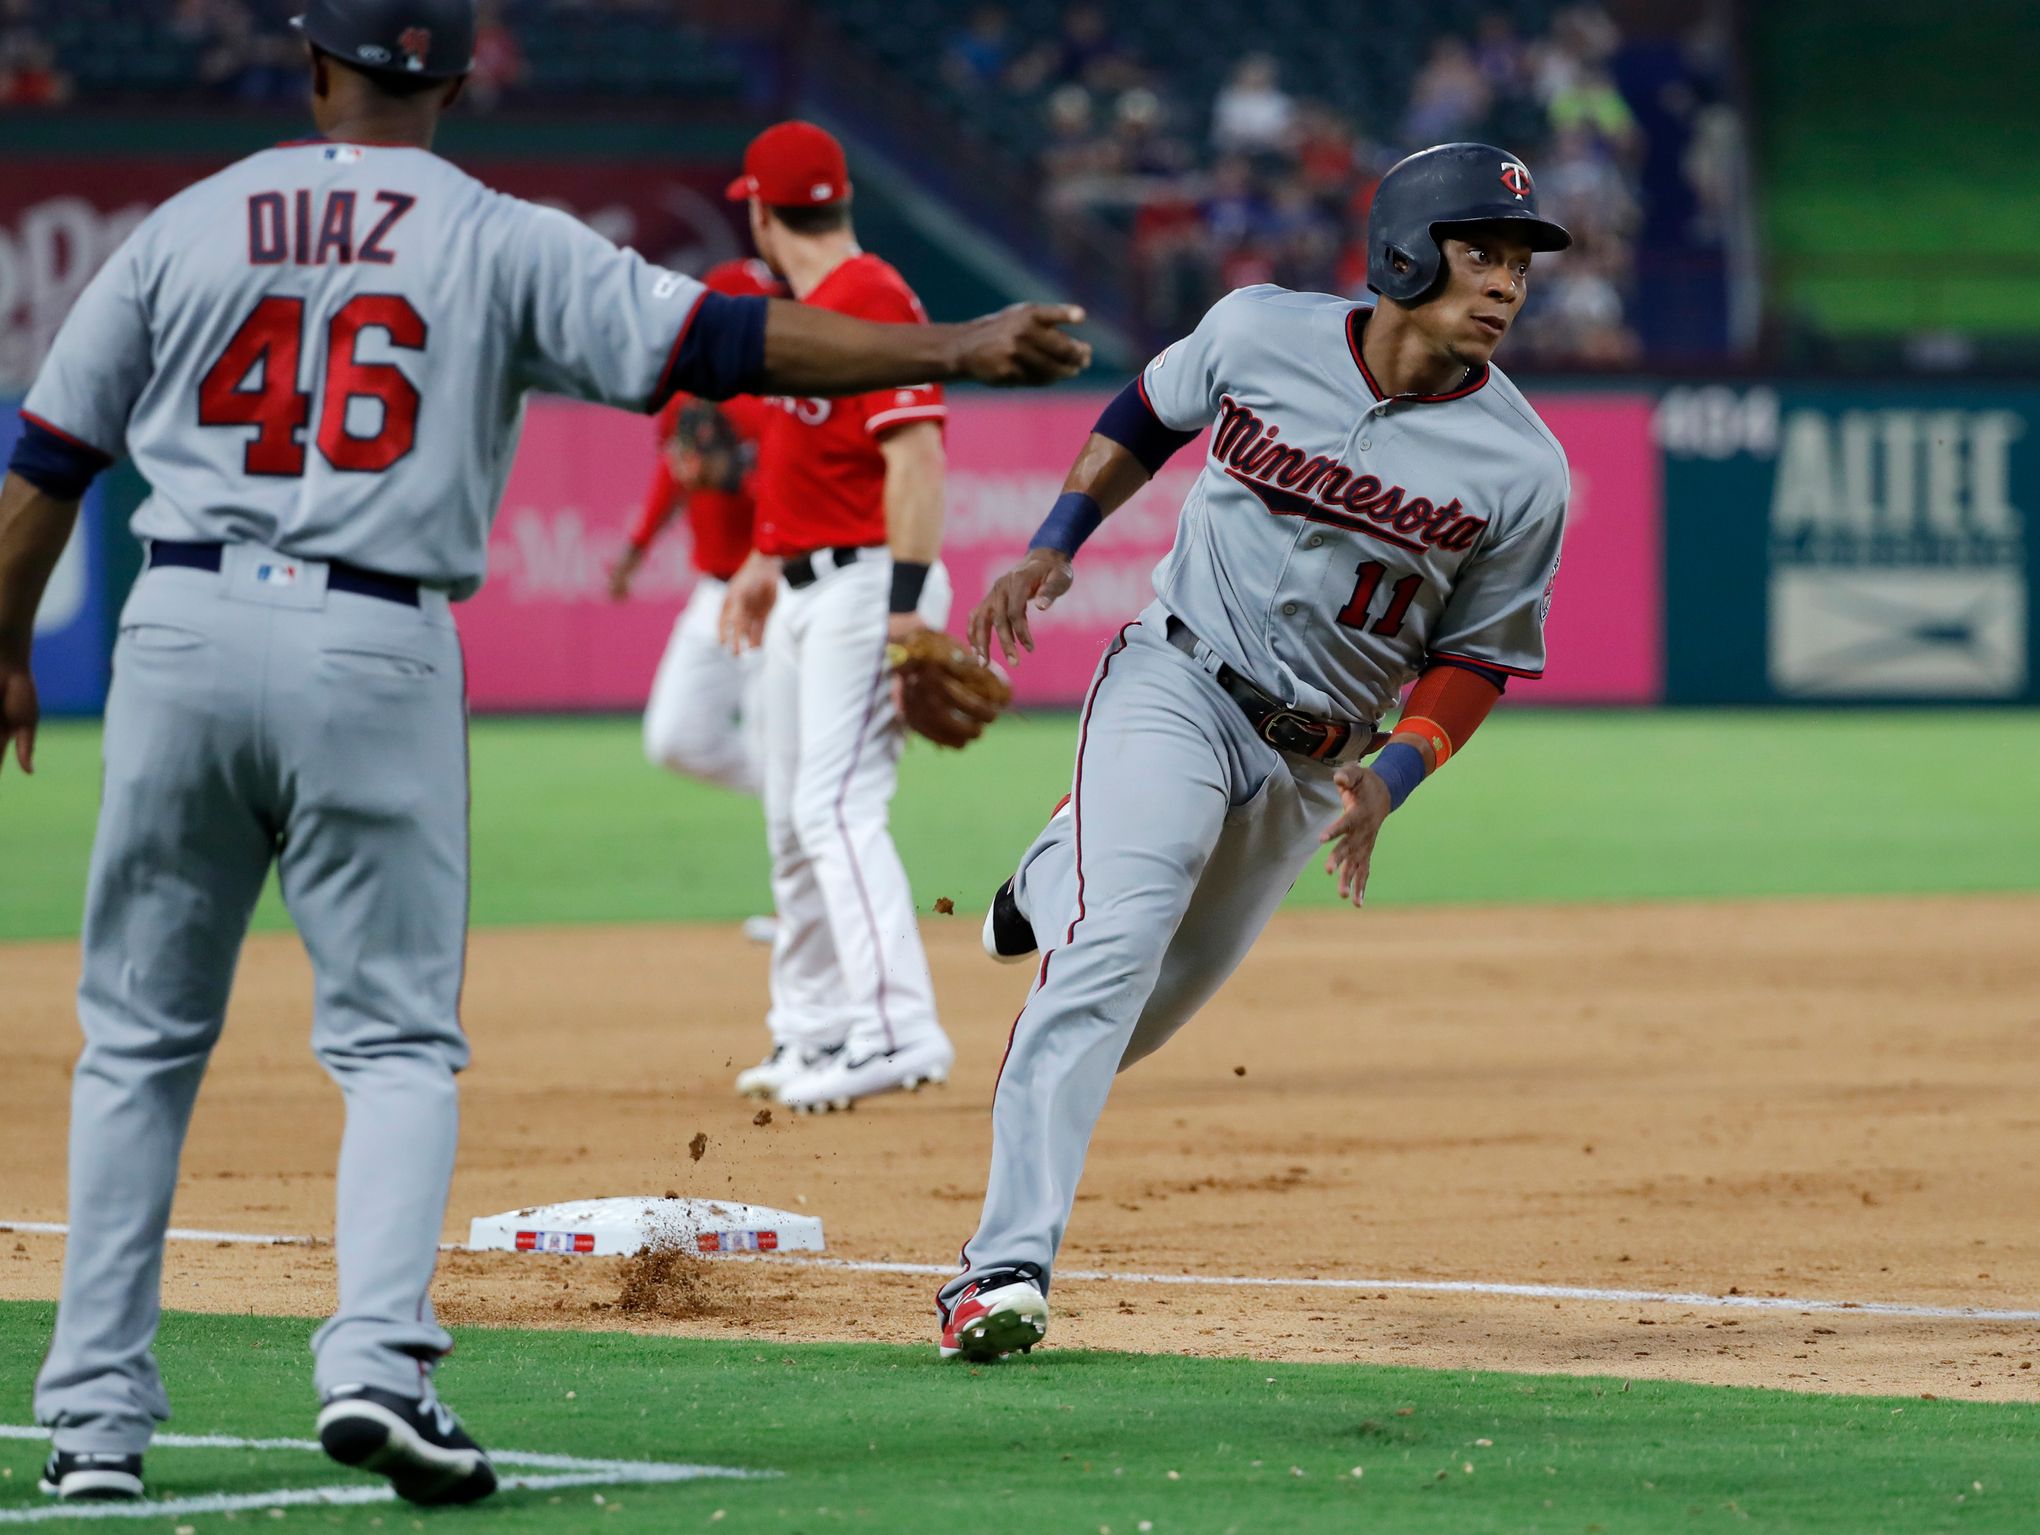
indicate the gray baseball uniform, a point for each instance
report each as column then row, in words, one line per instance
column 318, row 360
column 1335, row 543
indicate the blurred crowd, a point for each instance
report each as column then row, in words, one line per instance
column 243, row 51
column 1259, row 184
column 1242, row 178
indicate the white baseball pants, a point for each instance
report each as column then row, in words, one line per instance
column 848, row 967
column 702, row 719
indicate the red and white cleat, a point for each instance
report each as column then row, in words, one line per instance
column 1002, row 1312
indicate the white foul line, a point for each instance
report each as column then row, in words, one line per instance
column 1498, row 1288
column 1466, row 1287
column 563, row 1471
column 175, row 1234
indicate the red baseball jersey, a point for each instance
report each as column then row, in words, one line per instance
column 821, row 478
column 719, row 519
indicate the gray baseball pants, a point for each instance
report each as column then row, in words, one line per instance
column 1184, row 833
column 256, row 717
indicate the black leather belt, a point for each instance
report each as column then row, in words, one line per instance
column 340, row 576
column 1284, row 728
column 800, row 571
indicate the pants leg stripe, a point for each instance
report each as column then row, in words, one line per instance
column 850, row 851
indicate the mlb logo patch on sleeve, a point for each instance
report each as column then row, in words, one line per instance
column 277, row 575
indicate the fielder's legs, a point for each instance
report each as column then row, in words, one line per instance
column 808, row 1014
column 177, row 862
column 372, row 736
column 702, row 717
column 841, row 796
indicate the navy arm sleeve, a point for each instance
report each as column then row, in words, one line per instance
column 722, row 353
column 1132, row 423
column 55, row 464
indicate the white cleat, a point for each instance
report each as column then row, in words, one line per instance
column 783, row 1065
column 838, row 1083
column 761, row 930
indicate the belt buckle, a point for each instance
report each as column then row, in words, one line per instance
column 1326, row 737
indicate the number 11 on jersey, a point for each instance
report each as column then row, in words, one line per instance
column 1401, row 595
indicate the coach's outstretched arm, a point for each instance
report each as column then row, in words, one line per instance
column 816, row 351
column 35, row 524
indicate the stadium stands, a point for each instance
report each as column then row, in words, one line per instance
column 244, row 51
column 1138, row 152
column 1214, row 166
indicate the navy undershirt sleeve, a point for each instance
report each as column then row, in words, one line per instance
column 1485, row 673
column 723, row 352
column 1132, row 423
column 54, row 464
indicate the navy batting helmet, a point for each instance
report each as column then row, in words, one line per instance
column 1436, row 191
column 423, row 39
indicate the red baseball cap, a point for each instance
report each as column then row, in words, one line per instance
column 793, row 165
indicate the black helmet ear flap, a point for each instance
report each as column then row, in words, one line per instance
column 1412, row 274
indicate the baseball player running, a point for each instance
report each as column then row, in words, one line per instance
column 318, row 359
column 1377, row 503
column 849, row 525
column 701, row 719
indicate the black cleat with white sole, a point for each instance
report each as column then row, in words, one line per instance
column 1008, row 936
column 91, row 1475
column 414, row 1441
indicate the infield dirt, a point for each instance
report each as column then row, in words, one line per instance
column 1830, row 1099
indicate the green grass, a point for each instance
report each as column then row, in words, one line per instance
column 571, row 825
column 889, row 1439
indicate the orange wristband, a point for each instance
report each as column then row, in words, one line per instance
column 1434, row 737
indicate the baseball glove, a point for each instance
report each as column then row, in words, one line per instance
column 946, row 693
column 706, row 433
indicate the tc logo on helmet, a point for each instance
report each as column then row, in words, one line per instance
column 1516, row 177
column 416, row 44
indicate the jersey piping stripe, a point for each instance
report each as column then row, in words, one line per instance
column 1076, row 804
column 850, row 852
column 903, row 415
column 1353, row 326
column 467, row 848
column 664, row 392
column 57, row 431
column 1493, row 666
column 1140, row 384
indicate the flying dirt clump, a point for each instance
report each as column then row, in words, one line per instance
column 667, row 1277
column 663, row 1279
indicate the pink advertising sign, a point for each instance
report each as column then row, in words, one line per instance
column 1606, row 633
column 543, row 633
